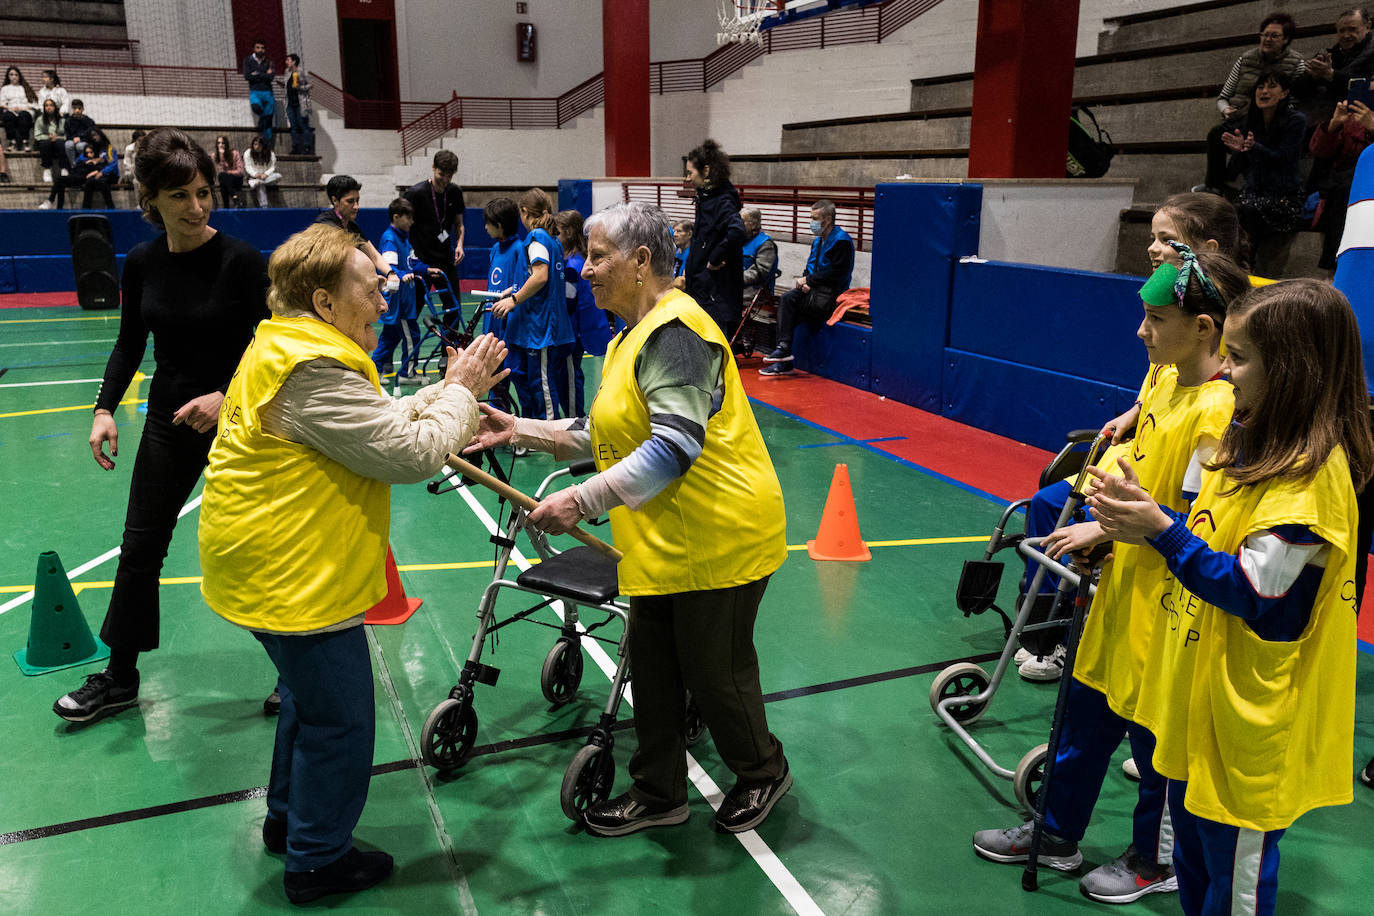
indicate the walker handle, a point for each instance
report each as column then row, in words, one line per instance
column 472, row 471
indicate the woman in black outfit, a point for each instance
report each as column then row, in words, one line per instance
column 200, row 293
column 715, row 261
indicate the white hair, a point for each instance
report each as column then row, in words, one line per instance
column 631, row 225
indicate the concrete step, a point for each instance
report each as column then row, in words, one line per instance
column 842, row 172
column 1300, row 259
column 29, row 196
column 66, row 11
column 878, row 134
column 1216, row 20
column 18, row 29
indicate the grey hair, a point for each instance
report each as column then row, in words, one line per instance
column 752, row 214
column 1356, row 11
column 827, row 208
column 631, row 225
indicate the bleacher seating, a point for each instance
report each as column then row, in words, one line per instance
column 67, row 19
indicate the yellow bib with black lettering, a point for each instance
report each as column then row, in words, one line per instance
column 719, row 525
column 1262, row 731
column 1125, row 617
column 289, row 540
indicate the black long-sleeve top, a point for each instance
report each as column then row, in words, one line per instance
column 201, row 307
column 717, row 238
column 258, row 72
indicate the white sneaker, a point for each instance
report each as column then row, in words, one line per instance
column 1022, row 656
column 1044, row 668
column 47, row 176
column 46, row 205
column 1130, row 769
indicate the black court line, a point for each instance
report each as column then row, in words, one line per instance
column 3, row 370
column 485, row 750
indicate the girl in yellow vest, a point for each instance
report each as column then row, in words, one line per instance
column 1250, row 691
column 1185, row 407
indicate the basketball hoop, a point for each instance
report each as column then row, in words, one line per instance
column 742, row 20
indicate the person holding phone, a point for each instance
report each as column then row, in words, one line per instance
column 1336, row 145
column 1327, row 74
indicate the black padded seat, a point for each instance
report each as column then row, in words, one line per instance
column 582, row 573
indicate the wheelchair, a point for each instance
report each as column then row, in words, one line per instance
column 757, row 331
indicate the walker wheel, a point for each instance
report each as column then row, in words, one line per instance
column 696, row 725
column 587, row 780
column 448, row 735
column 562, row 672
column 964, row 679
column 1030, row 774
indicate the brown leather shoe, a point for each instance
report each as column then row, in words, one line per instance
column 745, row 807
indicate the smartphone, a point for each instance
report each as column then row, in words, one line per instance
column 1359, row 91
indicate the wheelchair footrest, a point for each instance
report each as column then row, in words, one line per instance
column 582, row 574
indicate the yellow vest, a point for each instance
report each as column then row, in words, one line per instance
column 1262, row 731
column 289, row 540
column 721, row 524
column 1125, row 616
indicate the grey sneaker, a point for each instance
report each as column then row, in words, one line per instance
column 1127, row 878
column 1013, row 846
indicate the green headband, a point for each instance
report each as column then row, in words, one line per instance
column 1169, row 286
column 1159, row 289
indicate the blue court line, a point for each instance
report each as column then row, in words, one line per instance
column 864, row 444
column 52, row 435
column 864, row 441
column 1364, row 646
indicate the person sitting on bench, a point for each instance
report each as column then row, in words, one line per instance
column 828, row 271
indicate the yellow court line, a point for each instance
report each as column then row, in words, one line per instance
column 114, row 317
column 30, row 413
column 78, row 587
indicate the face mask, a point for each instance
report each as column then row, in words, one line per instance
column 815, row 227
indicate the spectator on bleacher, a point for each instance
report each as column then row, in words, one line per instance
column 1265, row 150
column 97, row 170
column 714, row 270
column 828, row 271
column 258, row 71
column 1327, row 74
column 1337, row 144
column 48, row 137
column 1276, row 34
column 682, row 244
column 344, row 192
column 4, row 166
column 298, row 109
column 17, row 102
column 52, row 89
column 760, row 255
column 228, row 172
column 127, row 175
column 438, row 230
column 260, row 165
column 77, row 125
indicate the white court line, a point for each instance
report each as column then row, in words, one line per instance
column 70, row 381
column 766, row 858
column 88, row 565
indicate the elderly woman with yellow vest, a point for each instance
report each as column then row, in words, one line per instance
column 294, row 528
column 697, row 510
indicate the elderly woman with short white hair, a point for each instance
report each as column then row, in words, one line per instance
column 696, row 508
column 294, row 528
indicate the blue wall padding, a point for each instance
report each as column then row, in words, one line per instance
column 7, row 283
column 1068, row 321
column 1032, row 405
column 842, row 352
column 920, row 231
column 575, row 194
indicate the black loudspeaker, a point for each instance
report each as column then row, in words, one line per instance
column 93, row 260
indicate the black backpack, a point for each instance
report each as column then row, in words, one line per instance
column 1090, row 151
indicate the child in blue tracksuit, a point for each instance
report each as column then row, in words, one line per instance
column 508, row 271
column 538, row 331
column 589, row 323
column 399, row 324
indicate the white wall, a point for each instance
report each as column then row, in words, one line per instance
column 1055, row 223
column 171, row 34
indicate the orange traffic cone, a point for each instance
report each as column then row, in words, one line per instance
column 838, row 537
column 395, row 607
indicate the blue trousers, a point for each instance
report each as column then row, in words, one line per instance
column 322, row 759
column 577, row 404
column 406, row 333
column 1223, row 870
column 540, row 378
column 1090, row 733
column 266, row 110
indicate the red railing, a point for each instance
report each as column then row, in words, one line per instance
column 784, row 210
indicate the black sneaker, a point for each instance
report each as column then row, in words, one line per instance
column 776, row 370
column 779, row 355
column 623, row 815
column 745, row 807
column 272, row 705
column 100, row 696
column 274, row 834
column 355, row 870
column 1367, row 774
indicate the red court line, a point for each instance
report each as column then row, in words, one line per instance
column 37, row 300
column 986, row 461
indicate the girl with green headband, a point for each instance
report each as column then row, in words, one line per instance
column 1186, row 407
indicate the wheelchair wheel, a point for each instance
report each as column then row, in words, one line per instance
column 587, row 780
column 1030, row 774
column 964, row 679
column 696, row 726
column 448, row 735
column 562, row 671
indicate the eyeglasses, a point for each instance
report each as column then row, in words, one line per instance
column 1277, row 36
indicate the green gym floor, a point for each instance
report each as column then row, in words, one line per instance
column 158, row 809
